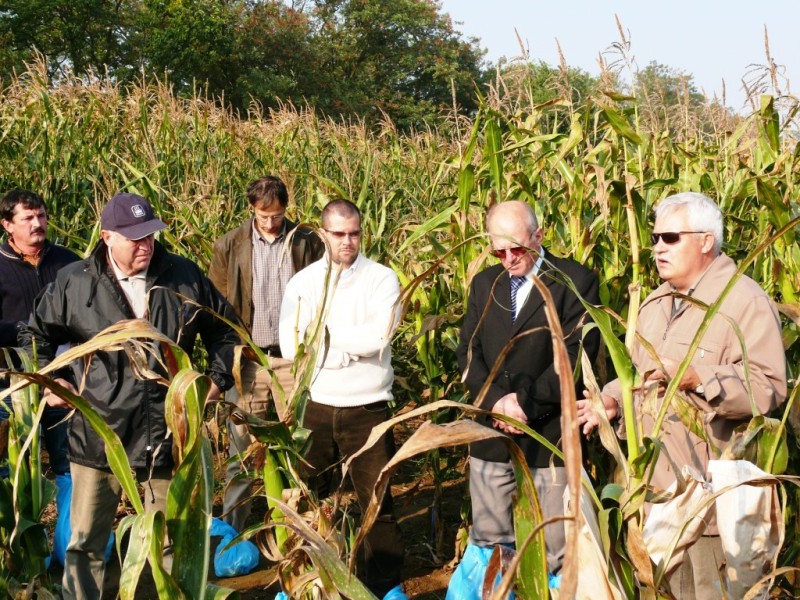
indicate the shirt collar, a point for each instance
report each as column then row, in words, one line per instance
column 258, row 236
column 536, row 266
column 32, row 259
column 348, row 272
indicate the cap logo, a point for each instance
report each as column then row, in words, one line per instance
column 137, row 210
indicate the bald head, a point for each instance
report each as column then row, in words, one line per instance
column 512, row 211
column 513, row 228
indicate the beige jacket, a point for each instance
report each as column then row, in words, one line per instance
column 718, row 361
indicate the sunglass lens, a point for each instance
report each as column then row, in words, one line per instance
column 669, row 237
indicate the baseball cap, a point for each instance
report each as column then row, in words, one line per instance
column 131, row 216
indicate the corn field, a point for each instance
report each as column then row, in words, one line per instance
column 593, row 172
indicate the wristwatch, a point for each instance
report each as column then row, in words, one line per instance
column 700, row 390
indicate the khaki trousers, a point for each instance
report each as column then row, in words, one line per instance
column 258, row 392
column 95, row 497
column 697, row 577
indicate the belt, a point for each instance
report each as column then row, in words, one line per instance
column 274, row 351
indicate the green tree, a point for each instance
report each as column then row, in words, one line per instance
column 666, row 85
column 276, row 57
column 535, row 83
column 399, row 57
column 192, row 41
column 75, row 35
column 670, row 102
column 363, row 58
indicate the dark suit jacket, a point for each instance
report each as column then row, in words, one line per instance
column 231, row 268
column 528, row 367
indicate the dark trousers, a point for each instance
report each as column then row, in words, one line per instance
column 336, row 433
column 54, row 432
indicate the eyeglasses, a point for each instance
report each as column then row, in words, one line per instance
column 670, row 237
column 340, row 235
column 270, row 218
column 516, row 252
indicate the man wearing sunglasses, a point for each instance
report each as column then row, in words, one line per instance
column 687, row 240
column 352, row 385
column 251, row 266
column 506, row 310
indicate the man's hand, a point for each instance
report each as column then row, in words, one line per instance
column 690, row 379
column 509, row 406
column 213, row 393
column 588, row 418
column 57, row 401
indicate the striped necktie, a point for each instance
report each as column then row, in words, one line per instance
column 516, row 283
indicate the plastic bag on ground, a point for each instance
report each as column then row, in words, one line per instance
column 239, row 559
column 466, row 582
column 396, row 593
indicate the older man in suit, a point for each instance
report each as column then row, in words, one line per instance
column 505, row 307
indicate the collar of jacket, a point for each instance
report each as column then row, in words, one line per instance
column 709, row 287
column 8, row 252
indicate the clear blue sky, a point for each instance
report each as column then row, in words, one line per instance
column 714, row 40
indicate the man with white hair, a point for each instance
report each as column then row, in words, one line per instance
column 687, row 240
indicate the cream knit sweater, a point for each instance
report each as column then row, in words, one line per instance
column 361, row 319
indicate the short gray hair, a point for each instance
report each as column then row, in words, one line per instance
column 702, row 212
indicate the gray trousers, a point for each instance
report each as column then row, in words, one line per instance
column 95, row 497
column 492, row 487
column 257, row 386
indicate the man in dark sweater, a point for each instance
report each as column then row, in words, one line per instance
column 28, row 262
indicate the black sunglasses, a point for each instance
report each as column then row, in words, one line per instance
column 669, row 237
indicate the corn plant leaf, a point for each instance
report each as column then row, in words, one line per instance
column 423, row 229
column 327, row 564
column 115, row 452
column 190, row 496
column 166, row 585
column 527, row 513
column 494, row 150
column 136, row 556
column 466, row 185
column 215, row 592
column 762, row 441
column 621, row 126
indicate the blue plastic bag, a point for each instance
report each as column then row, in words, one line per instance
column 396, row 593
column 240, row 559
column 63, row 529
column 467, row 580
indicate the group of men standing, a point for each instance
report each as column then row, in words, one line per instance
column 273, row 276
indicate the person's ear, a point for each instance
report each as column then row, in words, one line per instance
column 708, row 243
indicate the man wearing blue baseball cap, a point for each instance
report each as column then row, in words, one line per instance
column 129, row 275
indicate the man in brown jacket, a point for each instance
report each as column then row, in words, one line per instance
column 251, row 267
column 686, row 239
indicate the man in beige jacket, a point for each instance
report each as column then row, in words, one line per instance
column 686, row 239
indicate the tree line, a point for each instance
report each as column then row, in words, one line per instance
column 369, row 59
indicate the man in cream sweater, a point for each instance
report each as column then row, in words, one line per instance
column 353, row 384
